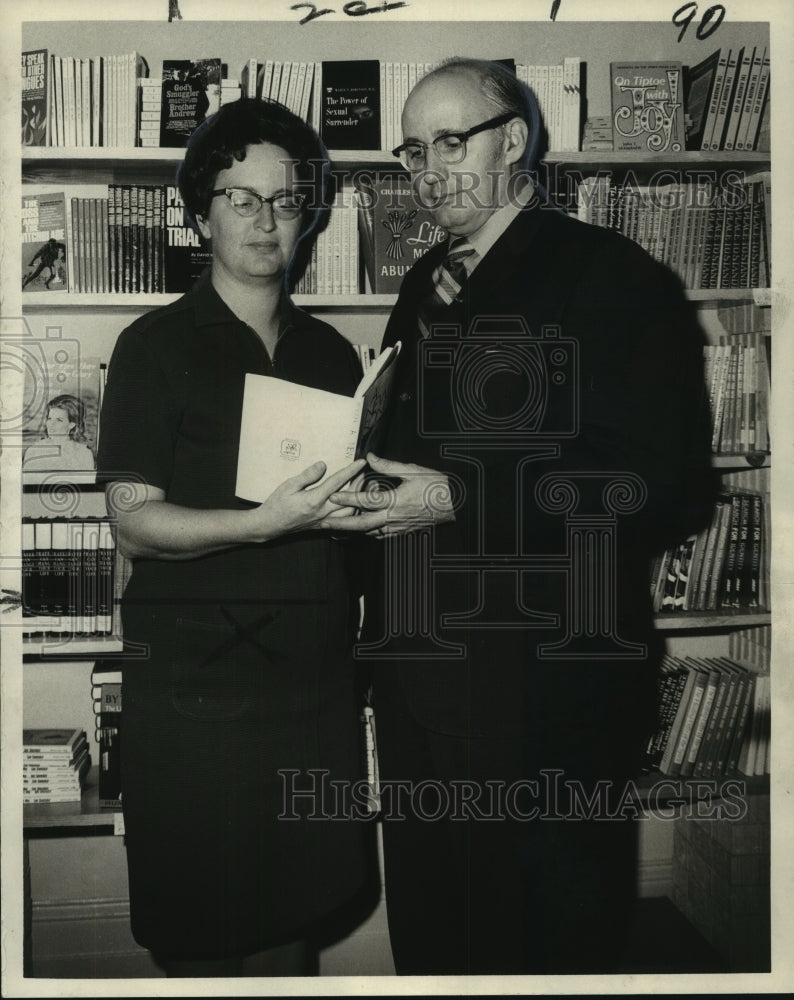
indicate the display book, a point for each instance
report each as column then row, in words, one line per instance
column 713, row 719
column 286, row 427
column 106, row 697
column 55, row 762
column 728, row 99
column 715, row 233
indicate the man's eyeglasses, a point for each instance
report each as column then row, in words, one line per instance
column 450, row 147
column 286, row 205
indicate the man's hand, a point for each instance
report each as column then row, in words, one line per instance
column 423, row 497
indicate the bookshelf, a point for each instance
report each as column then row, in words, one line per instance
column 98, row 318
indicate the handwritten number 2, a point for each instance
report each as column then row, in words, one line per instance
column 684, row 15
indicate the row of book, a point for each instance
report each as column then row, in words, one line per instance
column 711, row 236
column 714, row 719
column 138, row 239
column 737, row 380
column 68, row 575
column 727, row 98
column 55, row 763
column 720, row 103
column 106, row 700
column 333, row 266
column 723, row 567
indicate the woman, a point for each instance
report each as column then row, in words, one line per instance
column 63, row 446
column 238, row 618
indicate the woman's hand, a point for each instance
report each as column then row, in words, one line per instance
column 423, row 497
column 149, row 527
column 297, row 505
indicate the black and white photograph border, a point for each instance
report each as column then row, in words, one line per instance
column 53, row 869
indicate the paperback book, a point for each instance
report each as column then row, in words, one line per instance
column 287, row 427
column 44, row 255
column 647, row 107
column 191, row 92
column 350, row 113
column 394, row 230
column 35, row 98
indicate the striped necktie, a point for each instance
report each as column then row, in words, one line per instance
column 451, row 275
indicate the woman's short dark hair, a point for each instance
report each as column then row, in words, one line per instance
column 224, row 137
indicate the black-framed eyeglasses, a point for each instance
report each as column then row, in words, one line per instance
column 285, row 205
column 450, row 147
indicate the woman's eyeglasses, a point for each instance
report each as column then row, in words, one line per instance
column 285, row 205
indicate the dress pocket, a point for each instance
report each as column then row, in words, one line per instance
column 212, row 676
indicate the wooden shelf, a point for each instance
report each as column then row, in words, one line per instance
column 743, row 460
column 689, row 621
column 47, row 302
column 79, row 816
column 82, row 814
column 120, row 302
column 70, row 647
column 676, row 161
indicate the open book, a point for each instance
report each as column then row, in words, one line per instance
column 286, row 427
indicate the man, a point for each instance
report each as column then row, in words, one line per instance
column 549, row 392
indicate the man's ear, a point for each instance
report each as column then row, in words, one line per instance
column 516, row 137
column 204, row 226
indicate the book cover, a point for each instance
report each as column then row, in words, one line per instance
column 739, row 94
column 666, row 761
column 699, row 85
column 395, row 231
column 60, row 408
column 190, row 93
column 44, row 254
column 733, row 60
column 185, row 253
column 647, row 107
column 350, row 112
column 35, row 98
column 286, row 427
column 61, row 741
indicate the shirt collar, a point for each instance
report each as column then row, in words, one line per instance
column 210, row 309
column 496, row 224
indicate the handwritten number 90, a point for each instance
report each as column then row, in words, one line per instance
column 684, row 15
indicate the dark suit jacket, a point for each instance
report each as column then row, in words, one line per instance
column 632, row 403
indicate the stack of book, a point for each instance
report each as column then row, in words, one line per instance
column 106, row 699
column 713, row 236
column 597, row 134
column 68, row 576
column 722, row 568
column 727, row 99
column 714, row 719
column 54, row 764
column 737, row 380
column 149, row 110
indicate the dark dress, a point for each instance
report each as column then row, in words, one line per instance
column 241, row 665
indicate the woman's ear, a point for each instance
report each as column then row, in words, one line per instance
column 204, row 226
